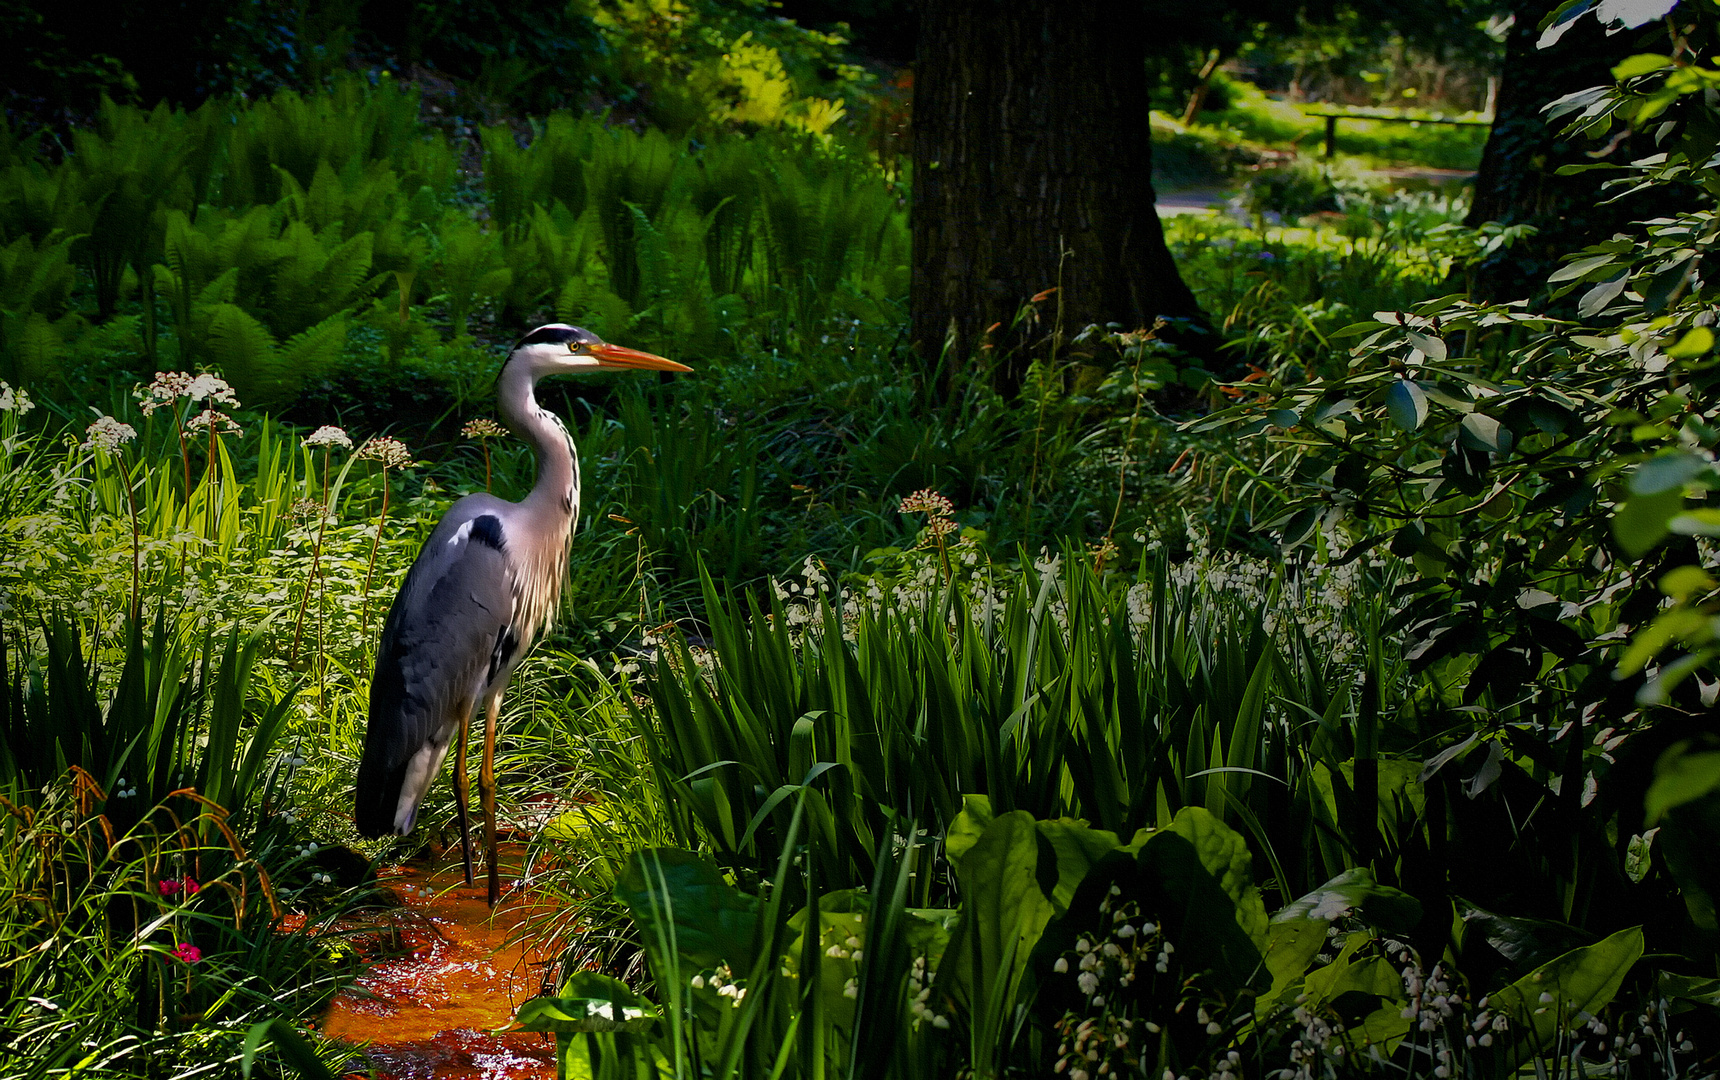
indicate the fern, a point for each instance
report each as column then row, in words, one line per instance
column 469, row 269
column 244, row 352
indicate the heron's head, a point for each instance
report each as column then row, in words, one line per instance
column 560, row 349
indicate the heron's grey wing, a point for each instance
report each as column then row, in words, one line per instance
column 449, row 631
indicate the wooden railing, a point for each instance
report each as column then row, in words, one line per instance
column 1332, row 117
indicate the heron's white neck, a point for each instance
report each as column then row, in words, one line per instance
column 556, row 492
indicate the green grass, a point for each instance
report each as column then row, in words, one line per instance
column 1251, row 117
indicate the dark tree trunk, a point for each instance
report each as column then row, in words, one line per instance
column 1032, row 170
column 1516, row 182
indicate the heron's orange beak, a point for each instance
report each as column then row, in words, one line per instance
column 619, row 356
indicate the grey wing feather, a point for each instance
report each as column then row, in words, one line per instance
column 445, row 633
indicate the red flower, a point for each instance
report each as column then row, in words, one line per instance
column 186, row 951
column 175, row 886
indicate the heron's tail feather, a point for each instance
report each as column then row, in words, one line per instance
column 376, row 801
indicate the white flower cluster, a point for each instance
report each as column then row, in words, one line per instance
column 483, row 428
column 14, row 399
column 1103, row 964
column 1098, row 1046
column 1655, row 1038
column 170, row 386
column 848, row 948
column 722, row 980
column 218, row 423
column 391, row 452
column 121, row 791
column 330, row 436
column 920, row 980
column 304, row 511
column 1314, row 598
column 1119, row 954
column 107, row 435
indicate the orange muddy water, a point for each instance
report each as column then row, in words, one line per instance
column 449, row 979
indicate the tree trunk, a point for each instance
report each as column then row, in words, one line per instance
column 1203, row 84
column 1033, row 171
column 1516, row 182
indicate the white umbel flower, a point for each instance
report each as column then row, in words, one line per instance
column 14, row 399
column 330, row 436
column 107, row 435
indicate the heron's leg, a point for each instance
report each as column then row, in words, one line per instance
column 462, row 797
column 487, row 793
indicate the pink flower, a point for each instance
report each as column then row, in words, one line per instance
column 175, row 886
column 187, row 952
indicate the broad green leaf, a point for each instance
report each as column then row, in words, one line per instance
column 1525, row 943
column 575, row 824
column 1004, row 912
column 1694, row 343
column 1667, row 472
column 1675, row 625
column 1429, row 345
column 681, row 902
column 1644, row 520
column 1686, row 843
column 1300, row 527
column 1385, row 1027
column 1076, row 846
column 1581, row 268
column 1407, row 404
column 1356, row 892
column 1291, row 946
column 1479, row 431
column 1549, row 416
column 1374, row 976
column 588, row 1001
column 1224, row 854
column 841, row 918
column 1371, row 977
column 1680, row 583
column 1596, row 299
column 1680, row 777
column 1199, row 915
column 1640, row 64
column 1578, row 985
column 968, row 826
column 1554, row 26
column 1689, row 988
column 1701, row 521
column 1353, row 330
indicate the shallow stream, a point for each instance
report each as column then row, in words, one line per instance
column 451, row 978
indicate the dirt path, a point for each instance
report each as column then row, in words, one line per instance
column 432, row 1011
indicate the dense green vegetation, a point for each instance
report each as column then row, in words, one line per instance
column 1348, row 719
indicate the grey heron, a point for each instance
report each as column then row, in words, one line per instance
column 482, row 590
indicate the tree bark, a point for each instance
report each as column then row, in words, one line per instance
column 1033, row 171
column 1516, row 182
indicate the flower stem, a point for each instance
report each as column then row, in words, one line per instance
column 375, row 541
column 136, row 543
column 316, row 558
